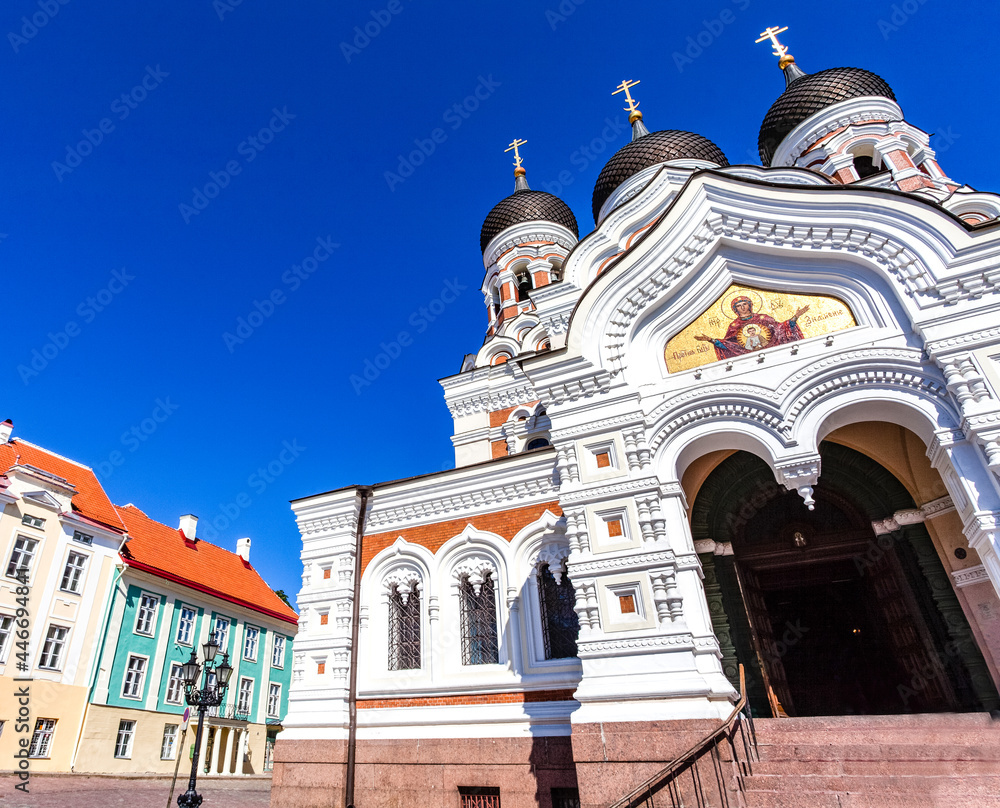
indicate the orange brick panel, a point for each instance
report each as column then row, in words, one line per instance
column 503, row 523
column 498, row 448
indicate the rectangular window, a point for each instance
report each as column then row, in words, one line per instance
column 251, row 637
column 221, row 633
column 565, row 798
column 32, row 521
column 175, row 684
column 22, row 555
column 185, row 625
column 123, row 744
column 55, row 640
column 479, row 622
column 6, row 629
column 479, row 797
column 168, row 748
column 278, row 652
column 404, row 628
column 145, row 619
column 274, row 700
column 41, row 740
column 83, row 538
column 245, row 696
column 73, row 574
column 135, row 674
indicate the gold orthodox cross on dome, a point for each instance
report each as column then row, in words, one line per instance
column 513, row 147
column 772, row 33
column 633, row 105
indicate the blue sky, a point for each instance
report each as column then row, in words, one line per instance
column 212, row 220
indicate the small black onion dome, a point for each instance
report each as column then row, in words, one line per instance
column 525, row 205
column 648, row 150
column 810, row 93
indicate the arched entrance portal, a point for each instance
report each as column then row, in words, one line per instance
column 828, row 617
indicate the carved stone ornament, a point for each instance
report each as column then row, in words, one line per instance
column 405, row 580
column 474, row 569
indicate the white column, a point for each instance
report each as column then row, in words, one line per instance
column 226, row 761
column 242, row 750
column 216, row 748
column 202, row 760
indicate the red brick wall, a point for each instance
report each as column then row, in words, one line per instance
column 503, row 523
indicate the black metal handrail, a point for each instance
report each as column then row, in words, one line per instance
column 230, row 711
column 739, row 723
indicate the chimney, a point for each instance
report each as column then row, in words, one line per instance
column 5, row 429
column 189, row 526
column 243, row 549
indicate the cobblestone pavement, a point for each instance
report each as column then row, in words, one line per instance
column 81, row 791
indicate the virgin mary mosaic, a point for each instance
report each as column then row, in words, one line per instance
column 745, row 320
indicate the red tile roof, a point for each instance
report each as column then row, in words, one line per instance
column 164, row 551
column 89, row 499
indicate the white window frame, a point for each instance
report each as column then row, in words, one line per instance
column 83, row 538
column 249, row 695
column 246, row 642
column 126, row 732
column 169, row 752
column 223, row 643
column 53, row 658
column 75, row 583
column 6, row 632
column 142, row 610
column 20, row 552
column 274, row 700
column 177, row 680
column 28, row 520
column 180, row 622
column 278, row 651
column 41, row 744
column 140, row 686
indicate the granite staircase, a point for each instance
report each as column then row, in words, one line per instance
column 906, row 761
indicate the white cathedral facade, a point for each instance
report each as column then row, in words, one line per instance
column 752, row 418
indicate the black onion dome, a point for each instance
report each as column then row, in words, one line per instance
column 648, row 150
column 809, row 94
column 526, row 206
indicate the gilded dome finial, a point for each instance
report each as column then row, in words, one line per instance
column 520, row 179
column 634, row 116
column 785, row 60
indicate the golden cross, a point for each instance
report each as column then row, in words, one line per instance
column 772, row 33
column 514, row 146
column 624, row 88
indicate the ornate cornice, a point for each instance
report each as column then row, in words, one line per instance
column 611, row 490
column 595, row 427
column 600, row 565
column 638, row 645
column 970, row 576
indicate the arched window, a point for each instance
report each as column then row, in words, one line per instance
column 537, row 443
column 560, row 624
column 864, row 164
column 497, row 304
column 524, row 284
column 404, row 629
column 479, row 621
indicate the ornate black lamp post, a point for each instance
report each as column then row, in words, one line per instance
column 208, row 696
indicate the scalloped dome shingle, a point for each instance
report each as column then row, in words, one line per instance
column 648, row 150
column 526, row 206
column 811, row 93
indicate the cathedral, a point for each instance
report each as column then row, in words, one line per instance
column 738, row 446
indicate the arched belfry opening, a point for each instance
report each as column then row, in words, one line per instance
column 829, row 617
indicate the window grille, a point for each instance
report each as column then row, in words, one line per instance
column 479, row 797
column 565, row 798
column 479, row 624
column 41, row 739
column 560, row 624
column 404, row 630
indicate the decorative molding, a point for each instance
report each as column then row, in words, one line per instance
column 612, row 563
column 937, row 507
column 491, row 400
column 592, row 428
column 475, row 570
column 404, row 580
column 611, row 490
column 970, row 576
column 638, row 645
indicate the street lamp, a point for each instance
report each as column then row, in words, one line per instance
column 208, row 696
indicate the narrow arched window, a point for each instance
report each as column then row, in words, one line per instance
column 560, row 624
column 864, row 164
column 524, row 284
column 536, row 443
column 404, row 629
column 479, row 622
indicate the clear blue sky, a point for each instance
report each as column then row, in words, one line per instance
column 338, row 109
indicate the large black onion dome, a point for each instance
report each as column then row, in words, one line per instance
column 810, row 93
column 648, row 150
column 525, row 205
